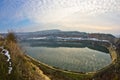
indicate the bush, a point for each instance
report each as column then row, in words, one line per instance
column 11, row 37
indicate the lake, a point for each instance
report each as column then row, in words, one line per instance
column 79, row 59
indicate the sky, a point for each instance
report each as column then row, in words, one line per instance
column 93, row 16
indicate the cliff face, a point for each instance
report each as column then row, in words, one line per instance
column 118, row 47
column 111, row 72
column 118, row 43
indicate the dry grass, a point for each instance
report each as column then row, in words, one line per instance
column 23, row 68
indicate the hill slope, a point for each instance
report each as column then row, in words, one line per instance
column 22, row 67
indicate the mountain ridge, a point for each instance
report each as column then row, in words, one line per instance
column 58, row 33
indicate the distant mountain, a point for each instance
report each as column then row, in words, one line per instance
column 65, row 34
column 49, row 31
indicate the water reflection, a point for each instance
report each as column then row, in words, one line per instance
column 70, row 58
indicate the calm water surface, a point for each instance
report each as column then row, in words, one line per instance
column 73, row 59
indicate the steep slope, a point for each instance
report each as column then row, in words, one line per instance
column 111, row 72
column 23, row 68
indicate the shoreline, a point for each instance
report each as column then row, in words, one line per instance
column 112, row 52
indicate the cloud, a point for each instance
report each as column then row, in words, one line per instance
column 55, row 10
column 62, row 13
column 82, row 15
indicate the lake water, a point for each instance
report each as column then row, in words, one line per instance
column 70, row 58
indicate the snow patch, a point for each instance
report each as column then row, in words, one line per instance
column 6, row 53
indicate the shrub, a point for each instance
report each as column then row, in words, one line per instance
column 11, row 37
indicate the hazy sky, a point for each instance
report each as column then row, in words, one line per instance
column 81, row 15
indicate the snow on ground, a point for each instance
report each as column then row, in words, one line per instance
column 36, row 38
column 78, row 38
column 68, row 38
column 6, row 53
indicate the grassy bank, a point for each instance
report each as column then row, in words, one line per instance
column 58, row 74
column 23, row 68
